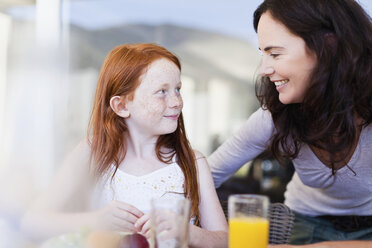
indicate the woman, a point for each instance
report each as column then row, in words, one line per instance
column 316, row 109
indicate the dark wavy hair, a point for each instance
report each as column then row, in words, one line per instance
column 339, row 32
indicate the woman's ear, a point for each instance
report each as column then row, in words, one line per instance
column 118, row 105
column 332, row 42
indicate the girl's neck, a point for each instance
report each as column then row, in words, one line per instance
column 140, row 158
column 140, row 146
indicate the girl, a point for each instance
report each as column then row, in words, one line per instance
column 316, row 97
column 136, row 150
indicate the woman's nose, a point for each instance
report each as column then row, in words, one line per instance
column 266, row 69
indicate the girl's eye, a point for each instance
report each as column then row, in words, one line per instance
column 274, row 55
column 162, row 91
column 178, row 89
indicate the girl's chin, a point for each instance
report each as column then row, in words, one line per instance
column 169, row 131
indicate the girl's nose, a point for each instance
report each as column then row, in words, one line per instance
column 175, row 101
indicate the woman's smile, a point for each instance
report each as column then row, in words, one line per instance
column 281, row 84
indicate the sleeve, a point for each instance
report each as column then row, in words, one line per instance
column 249, row 141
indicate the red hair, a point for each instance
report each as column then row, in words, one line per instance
column 119, row 76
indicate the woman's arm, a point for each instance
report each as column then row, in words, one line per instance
column 248, row 142
column 62, row 207
column 213, row 222
column 330, row 244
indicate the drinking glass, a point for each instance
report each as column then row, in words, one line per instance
column 169, row 223
column 248, row 221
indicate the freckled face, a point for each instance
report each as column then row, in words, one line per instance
column 157, row 101
column 285, row 59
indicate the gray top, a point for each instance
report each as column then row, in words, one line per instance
column 312, row 190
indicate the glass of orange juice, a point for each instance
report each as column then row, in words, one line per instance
column 248, row 221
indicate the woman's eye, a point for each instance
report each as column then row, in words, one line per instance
column 178, row 89
column 162, row 91
column 274, row 55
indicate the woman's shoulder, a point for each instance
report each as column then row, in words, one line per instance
column 366, row 134
column 262, row 113
column 259, row 125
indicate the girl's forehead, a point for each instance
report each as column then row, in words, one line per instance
column 160, row 66
column 160, row 71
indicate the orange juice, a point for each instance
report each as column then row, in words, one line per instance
column 248, row 232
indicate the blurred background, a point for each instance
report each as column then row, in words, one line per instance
column 50, row 55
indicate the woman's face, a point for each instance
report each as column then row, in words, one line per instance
column 285, row 60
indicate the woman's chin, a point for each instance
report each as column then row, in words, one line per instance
column 284, row 99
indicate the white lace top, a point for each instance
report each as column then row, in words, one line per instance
column 138, row 191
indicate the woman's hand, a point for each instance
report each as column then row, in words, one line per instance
column 117, row 216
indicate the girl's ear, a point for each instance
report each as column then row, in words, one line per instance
column 118, row 105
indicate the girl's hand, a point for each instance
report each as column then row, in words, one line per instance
column 143, row 224
column 167, row 224
column 117, row 216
